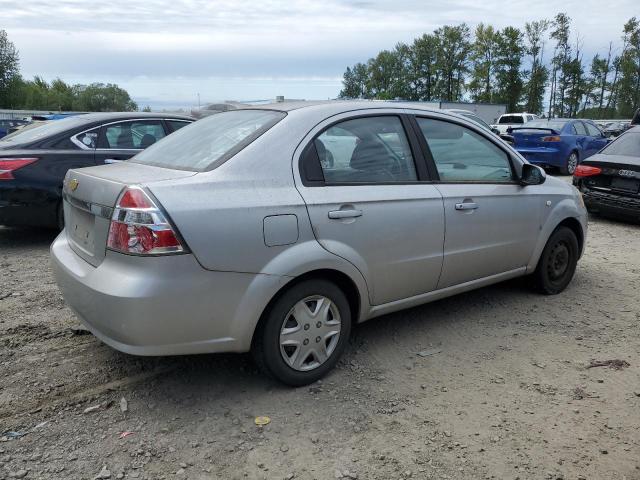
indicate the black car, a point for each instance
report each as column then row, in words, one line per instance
column 610, row 180
column 34, row 161
column 614, row 129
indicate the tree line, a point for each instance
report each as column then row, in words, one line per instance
column 539, row 69
column 38, row 94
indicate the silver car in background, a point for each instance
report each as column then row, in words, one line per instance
column 275, row 229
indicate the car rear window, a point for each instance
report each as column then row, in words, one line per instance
column 40, row 130
column 511, row 119
column 627, row 144
column 207, row 143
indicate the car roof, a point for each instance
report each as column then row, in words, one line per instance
column 102, row 116
column 345, row 105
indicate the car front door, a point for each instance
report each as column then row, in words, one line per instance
column 491, row 223
column 370, row 203
column 120, row 141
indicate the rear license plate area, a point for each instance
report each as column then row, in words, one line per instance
column 80, row 227
column 626, row 184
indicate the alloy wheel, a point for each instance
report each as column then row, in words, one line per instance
column 572, row 163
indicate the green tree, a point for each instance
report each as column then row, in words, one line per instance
column 560, row 64
column 424, row 67
column 9, row 70
column 388, row 74
column 100, row 97
column 508, row 59
column 452, row 61
column 355, row 82
column 484, row 51
column 599, row 82
column 628, row 95
column 537, row 76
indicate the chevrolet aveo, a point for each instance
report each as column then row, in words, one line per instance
column 274, row 230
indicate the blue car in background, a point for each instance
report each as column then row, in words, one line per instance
column 558, row 142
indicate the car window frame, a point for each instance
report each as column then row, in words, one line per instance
column 586, row 132
column 431, row 164
column 598, row 135
column 422, row 172
column 168, row 127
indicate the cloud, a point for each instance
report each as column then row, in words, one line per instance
column 160, row 40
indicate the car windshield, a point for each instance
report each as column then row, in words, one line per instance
column 554, row 124
column 627, row 144
column 209, row 142
column 41, row 130
column 511, row 119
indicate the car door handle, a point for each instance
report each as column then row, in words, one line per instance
column 112, row 160
column 466, row 206
column 345, row 213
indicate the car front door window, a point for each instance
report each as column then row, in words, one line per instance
column 462, row 155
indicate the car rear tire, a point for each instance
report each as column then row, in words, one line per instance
column 303, row 333
column 558, row 262
column 571, row 164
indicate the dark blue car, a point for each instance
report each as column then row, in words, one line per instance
column 558, row 142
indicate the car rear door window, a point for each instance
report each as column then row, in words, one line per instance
column 366, row 150
column 462, row 155
column 86, row 140
column 593, row 130
column 580, row 129
column 137, row 135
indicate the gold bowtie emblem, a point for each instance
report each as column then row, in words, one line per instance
column 73, row 184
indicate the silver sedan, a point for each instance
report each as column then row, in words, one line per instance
column 275, row 229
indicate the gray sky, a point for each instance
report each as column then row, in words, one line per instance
column 164, row 52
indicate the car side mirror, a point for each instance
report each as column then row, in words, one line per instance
column 532, row 175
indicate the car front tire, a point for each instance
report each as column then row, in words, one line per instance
column 558, row 262
column 303, row 333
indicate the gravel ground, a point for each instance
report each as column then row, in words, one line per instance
column 504, row 391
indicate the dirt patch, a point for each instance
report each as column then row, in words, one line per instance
column 489, row 384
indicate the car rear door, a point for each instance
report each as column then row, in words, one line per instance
column 121, row 140
column 365, row 185
column 491, row 223
column 595, row 140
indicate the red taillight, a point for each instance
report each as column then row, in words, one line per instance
column 139, row 226
column 586, row 171
column 9, row 165
column 551, row 138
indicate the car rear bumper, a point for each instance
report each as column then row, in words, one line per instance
column 165, row 305
column 27, row 207
column 612, row 204
column 545, row 156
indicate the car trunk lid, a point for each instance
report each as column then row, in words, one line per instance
column 620, row 174
column 531, row 137
column 90, row 195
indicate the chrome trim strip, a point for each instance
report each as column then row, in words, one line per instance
column 97, row 210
